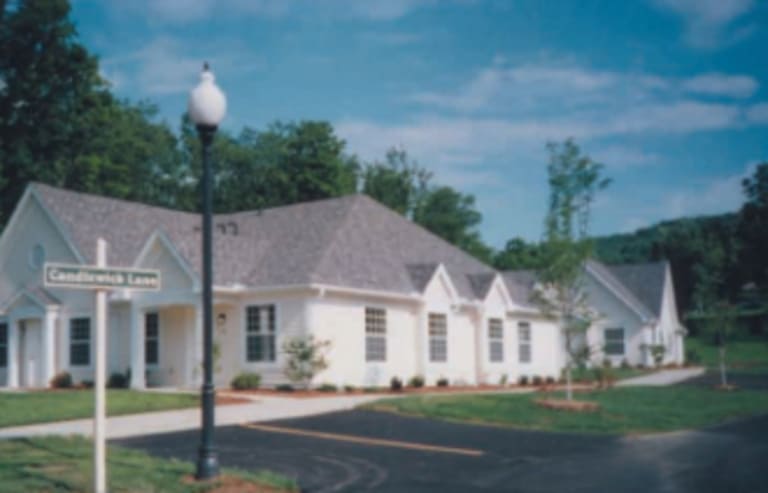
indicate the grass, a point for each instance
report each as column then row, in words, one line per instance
column 58, row 464
column 588, row 374
column 622, row 410
column 40, row 407
column 742, row 355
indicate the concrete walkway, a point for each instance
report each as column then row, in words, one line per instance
column 662, row 377
column 264, row 408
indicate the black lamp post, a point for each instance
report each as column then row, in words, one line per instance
column 207, row 106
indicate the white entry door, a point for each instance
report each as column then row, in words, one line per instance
column 30, row 353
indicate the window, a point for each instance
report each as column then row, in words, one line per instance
column 3, row 345
column 375, row 334
column 438, row 337
column 151, row 338
column 524, row 342
column 80, row 341
column 495, row 340
column 260, row 333
column 36, row 257
column 614, row 342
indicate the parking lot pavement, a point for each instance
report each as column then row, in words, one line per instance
column 380, row 458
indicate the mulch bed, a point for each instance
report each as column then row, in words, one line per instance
column 231, row 484
column 566, row 405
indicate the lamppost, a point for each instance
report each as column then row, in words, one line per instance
column 207, row 106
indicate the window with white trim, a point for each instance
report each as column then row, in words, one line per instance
column 524, row 342
column 80, row 341
column 614, row 341
column 3, row 345
column 151, row 338
column 495, row 340
column 375, row 334
column 438, row 337
column 260, row 333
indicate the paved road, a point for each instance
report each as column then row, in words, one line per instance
column 728, row 458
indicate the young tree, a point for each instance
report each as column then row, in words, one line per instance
column 720, row 325
column 306, row 358
column 574, row 179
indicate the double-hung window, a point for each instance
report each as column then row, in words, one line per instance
column 438, row 337
column 3, row 345
column 80, row 341
column 260, row 333
column 614, row 342
column 524, row 342
column 151, row 338
column 495, row 340
column 375, row 334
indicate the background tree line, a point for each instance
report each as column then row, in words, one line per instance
column 60, row 124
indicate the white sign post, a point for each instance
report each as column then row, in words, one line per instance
column 101, row 279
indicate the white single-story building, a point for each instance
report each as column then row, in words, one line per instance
column 392, row 298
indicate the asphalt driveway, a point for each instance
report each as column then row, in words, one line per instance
column 421, row 455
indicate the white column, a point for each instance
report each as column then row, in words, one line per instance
column 13, row 354
column 138, row 376
column 197, row 348
column 49, row 345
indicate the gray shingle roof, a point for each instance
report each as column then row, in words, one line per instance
column 351, row 241
column 520, row 286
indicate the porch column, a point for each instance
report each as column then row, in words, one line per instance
column 49, row 345
column 13, row 354
column 138, row 370
column 197, row 348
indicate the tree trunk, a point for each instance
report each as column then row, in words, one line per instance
column 568, row 384
column 723, row 379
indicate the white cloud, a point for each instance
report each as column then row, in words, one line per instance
column 709, row 23
column 716, row 196
column 758, row 113
column 717, row 84
column 618, row 156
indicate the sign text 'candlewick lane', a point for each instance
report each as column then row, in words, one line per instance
column 90, row 277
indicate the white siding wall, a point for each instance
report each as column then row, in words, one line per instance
column 546, row 349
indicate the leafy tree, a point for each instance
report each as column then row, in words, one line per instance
column 306, row 358
column 452, row 216
column 720, row 324
column 518, row 254
column 574, row 179
column 753, row 228
column 398, row 183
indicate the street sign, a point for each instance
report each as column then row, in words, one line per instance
column 92, row 277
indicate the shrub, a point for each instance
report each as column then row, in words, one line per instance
column 370, row 390
column 327, row 387
column 442, row 382
column 62, row 380
column 692, row 356
column 87, row 384
column 284, row 387
column 503, row 380
column 305, row 358
column 349, row 388
column 118, row 381
column 395, row 384
column 523, row 380
column 537, row 380
column 607, row 363
column 625, row 364
column 416, row 381
column 245, row 381
column 550, row 380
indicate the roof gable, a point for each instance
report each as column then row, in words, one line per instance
column 646, row 282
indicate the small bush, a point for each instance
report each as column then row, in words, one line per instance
column 442, row 382
column 395, row 384
column 245, row 381
column 118, row 381
column 550, row 380
column 327, row 387
column 371, row 390
column 62, row 380
column 523, row 380
column 416, row 381
column 284, row 387
column 692, row 356
column 349, row 388
column 537, row 380
column 607, row 363
column 625, row 364
column 87, row 384
column 503, row 380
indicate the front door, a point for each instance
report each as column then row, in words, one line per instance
column 30, row 353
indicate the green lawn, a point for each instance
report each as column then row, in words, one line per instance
column 589, row 374
column 57, row 464
column 741, row 355
column 40, row 407
column 623, row 410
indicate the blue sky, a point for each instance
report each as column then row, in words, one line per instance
column 671, row 95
